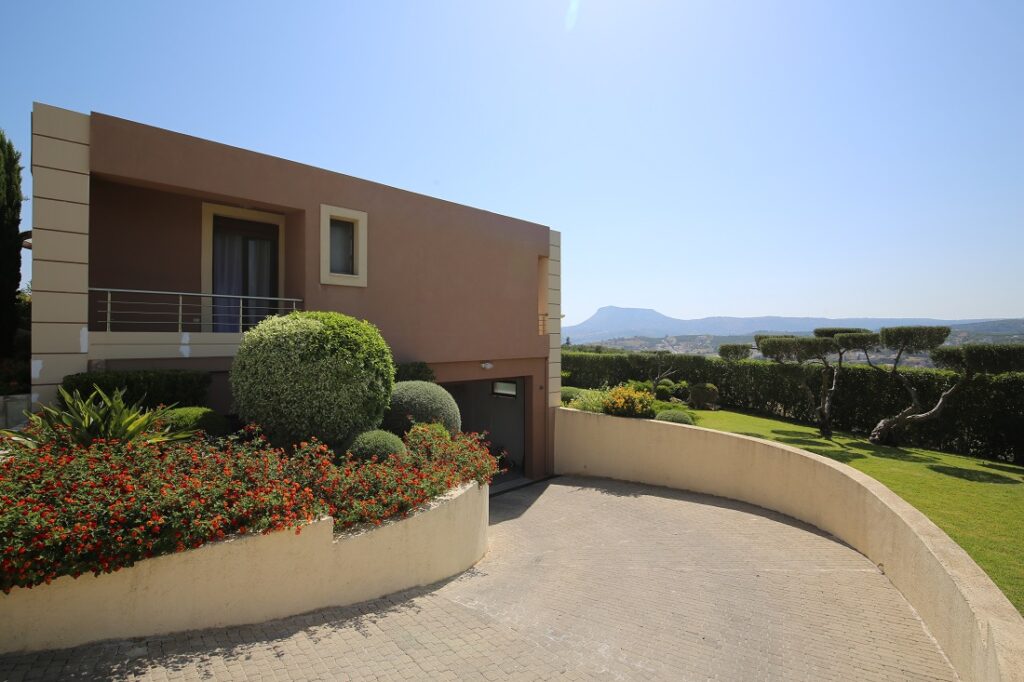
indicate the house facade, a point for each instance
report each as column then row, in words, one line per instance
column 153, row 249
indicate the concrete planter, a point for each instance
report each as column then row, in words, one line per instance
column 251, row 579
column 12, row 409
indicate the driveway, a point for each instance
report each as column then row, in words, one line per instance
column 585, row 578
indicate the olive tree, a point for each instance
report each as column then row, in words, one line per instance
column 823, row 350
column 966, row 361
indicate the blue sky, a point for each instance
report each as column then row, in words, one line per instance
column 700, row 158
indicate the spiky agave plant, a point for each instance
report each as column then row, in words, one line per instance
column 97, row 416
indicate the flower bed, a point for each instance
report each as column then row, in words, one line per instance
column 68, row 510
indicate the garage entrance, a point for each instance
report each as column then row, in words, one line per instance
column 499, row 408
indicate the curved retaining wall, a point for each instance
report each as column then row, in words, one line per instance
column 973, row 622
column 251, row 579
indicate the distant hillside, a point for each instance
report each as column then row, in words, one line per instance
column 611, row 322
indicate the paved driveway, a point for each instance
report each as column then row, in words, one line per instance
column 585, row 578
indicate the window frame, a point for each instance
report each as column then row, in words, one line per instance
column 359, row 248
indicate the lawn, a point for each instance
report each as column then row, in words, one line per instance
column 979, row 503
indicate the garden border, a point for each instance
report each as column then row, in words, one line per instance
column 977, row 627
column 252, row 579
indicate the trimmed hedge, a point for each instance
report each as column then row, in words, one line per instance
column 984, row 419
column 376, row 443
column 414, row 402
column 414, row 371
column 674, row 416
column 152, row 386
column 312, row 373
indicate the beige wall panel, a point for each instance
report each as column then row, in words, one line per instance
column 555, row 253
column 555, row 341
column 52, row 368
column 63, row 246
column 102, row 338
column 51, row 307
column 60, row 154
column 554, row 296
column 60, row 123
column 555, row 267
column 555, row 237
column 554, row 281
column 555, row 326
column 554, row 370
column 58, row 184
column 50, row 337
column 555, row 310
column 59, row 215
column 43, row 395
column 148, row 351
column 555, row 356
column 55, row 276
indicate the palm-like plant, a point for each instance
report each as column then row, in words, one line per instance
column 98, row 416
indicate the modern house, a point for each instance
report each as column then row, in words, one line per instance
column 153, row 249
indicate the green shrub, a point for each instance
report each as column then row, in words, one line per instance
column 197, row 419
column 665, row 390
column 96, row 417
column 913, row 339
column 703, row 396
column 377, row 443
column 151, row 386
column 308, row 374
column 681, row 391
column 626, row 401
column 675, row 416
column 569, row 393
column 421, row 401
column 414, row 371
column 734, row 352
column 588, row 400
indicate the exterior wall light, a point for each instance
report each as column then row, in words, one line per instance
column 487, row 364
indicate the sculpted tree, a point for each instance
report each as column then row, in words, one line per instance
column 734, row 352
column 967, row 361
column 797, row 352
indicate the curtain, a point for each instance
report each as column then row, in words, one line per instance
column 259, row 276
column 227, row 279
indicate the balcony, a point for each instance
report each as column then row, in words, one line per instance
column 139, row 310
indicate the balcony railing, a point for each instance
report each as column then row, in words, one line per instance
column 116, row 310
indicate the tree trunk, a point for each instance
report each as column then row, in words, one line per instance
column 827, row 400
column 823, row 422
column 887, row 431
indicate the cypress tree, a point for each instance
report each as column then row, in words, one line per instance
column 10, row 242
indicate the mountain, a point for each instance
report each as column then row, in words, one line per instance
column 611, row 322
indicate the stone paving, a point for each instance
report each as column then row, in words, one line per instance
column 585, row 578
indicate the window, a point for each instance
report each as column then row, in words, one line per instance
column 342, row 246
column 505, row 389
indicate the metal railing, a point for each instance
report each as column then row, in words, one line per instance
column 181, row 311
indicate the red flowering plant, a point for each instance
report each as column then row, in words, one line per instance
column 69, row 509
column 371, row 491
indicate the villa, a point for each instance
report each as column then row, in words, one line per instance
column 153, row 249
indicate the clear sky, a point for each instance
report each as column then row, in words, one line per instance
column 700, row 158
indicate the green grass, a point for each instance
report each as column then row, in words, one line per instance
column 979, row 503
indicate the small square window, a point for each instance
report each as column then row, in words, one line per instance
column 505, row 389
column 343, row 233
column 343, row 247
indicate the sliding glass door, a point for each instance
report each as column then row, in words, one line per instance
column 244, row 271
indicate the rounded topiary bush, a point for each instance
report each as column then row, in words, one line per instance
column 675, row 416
column 414, row 402
column 377, row 442
column 704, row 396
column 309, row 373
column 570, row 393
